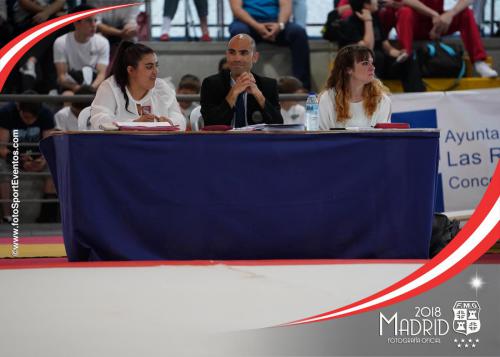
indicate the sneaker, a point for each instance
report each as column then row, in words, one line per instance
column 7, row 219
column 28, row 69
column 206, row 38
column 165, row 37
column 484, row 70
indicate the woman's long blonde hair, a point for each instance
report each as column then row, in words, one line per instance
column 339, row 82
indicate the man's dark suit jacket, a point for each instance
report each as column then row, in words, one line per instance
column 216, row 111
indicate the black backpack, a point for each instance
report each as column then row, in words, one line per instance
column 443, row 231
column 331, row 28
column 440, row 60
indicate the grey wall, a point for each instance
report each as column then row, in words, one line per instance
column 200, row 58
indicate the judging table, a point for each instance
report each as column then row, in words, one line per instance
column 245, row 195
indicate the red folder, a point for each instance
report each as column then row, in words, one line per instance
column 392, row 126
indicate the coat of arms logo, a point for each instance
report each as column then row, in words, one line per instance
column 466, row 317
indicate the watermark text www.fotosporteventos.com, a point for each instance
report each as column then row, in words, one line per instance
column 14, row 182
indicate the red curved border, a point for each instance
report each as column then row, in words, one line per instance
column 491, row 196
column 487, row 203
column 47, row 30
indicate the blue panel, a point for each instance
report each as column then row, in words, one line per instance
column 417, row 119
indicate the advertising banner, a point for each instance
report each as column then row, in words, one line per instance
column 469, row 144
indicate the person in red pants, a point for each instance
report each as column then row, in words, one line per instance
column 426, row 19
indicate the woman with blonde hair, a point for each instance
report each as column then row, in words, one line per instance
column 353, row 97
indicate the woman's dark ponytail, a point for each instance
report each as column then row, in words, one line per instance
column 127, row 54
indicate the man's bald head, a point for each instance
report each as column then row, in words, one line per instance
column 241, row 54
column 245, row 38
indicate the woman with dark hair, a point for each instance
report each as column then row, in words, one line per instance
column 353, row 97
column 133, row 92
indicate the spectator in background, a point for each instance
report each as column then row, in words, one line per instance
column 300, row 12
column 32, row 122
column 291, row 111
column 6, row 28
column 133, row 92
column 169, row 10
column 363, row 28
column 268, row 20
column 117, row 25
column 28, row 13
column 67, row 118
column 239, row 97
column 353, row 97
column 81, row 56
column 223, row 64
column 35, row 67
column 188, row 84
column 426, row 19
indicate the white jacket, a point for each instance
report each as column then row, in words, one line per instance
column 328, row 115
column 109, row 104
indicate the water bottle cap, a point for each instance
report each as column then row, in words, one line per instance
column 312, row 93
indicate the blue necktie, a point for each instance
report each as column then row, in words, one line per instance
column 239, row 108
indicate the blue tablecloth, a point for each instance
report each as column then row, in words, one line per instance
column 245, row 196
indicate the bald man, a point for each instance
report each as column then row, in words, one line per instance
column 238, row 97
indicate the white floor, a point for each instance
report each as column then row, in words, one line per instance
column 171, row 309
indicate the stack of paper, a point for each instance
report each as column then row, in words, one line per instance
column 144, row 126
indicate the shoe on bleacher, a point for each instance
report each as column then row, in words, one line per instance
column 28, row 69
column 165, row 37
column 206, row 38
column 7, row 219
column 484, row 70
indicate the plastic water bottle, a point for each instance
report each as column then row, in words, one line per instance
column 312, row 112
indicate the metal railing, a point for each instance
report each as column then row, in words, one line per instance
column 221, row 25
column 46, row 98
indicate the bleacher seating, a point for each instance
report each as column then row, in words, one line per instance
column 445, row 84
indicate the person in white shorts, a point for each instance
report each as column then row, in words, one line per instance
column 81, row 56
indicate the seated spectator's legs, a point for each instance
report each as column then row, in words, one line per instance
column 409, row 26
column 413, row 26
column 466, row 24
column 28, row 74
column 411, row 76
column 388, row 20
column 169, row 10
column 296, row 37
column 202, row 10
column 238, row 27
column 408, row 72
column 36, row 66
